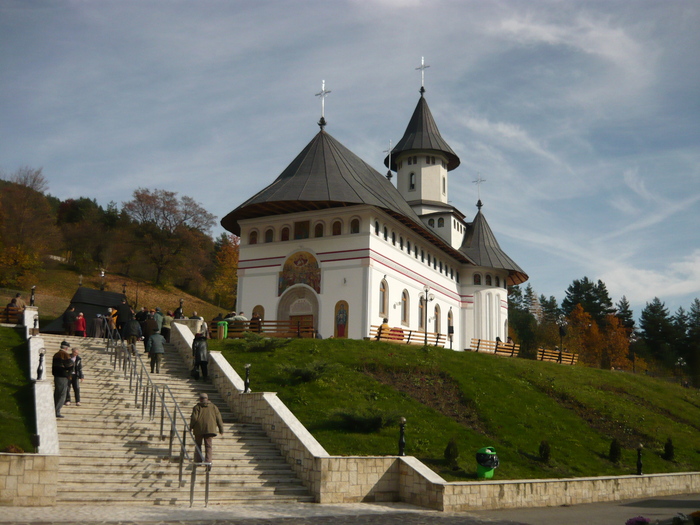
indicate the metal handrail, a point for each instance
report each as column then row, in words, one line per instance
column 152, row 396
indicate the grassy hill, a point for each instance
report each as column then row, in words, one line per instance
column 55, row 288
column 351, row 394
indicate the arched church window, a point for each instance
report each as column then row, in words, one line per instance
column 498, row 281
column 376, row 227
column 444, row 185
column 488, row 280
column 269, row 234
column 318, row 230
column 415, row 159
column 431, row 223
column 404, row 307
column 408, row 246
column 355, row 226
column 441, row 222
column 336, row 228
column 428, row 259
column 383, row 298
column 401, row 242
column 393, row 238
column 477, row 279
column 421, row 313
column 412, row 181
column 436, row 319
column 440, row 266
column 457, row 276
column 422, row 256
column 410, row 160
column 253, row 237
column 386, row 233
column 284, row 236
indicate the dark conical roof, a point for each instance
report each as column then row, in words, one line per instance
column 325, row 174
column 480, row 246
column 422, row 134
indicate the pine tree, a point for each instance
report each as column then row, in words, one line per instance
column 693, row 352
column 593, row 298
column 625, row 315
column 657, row 331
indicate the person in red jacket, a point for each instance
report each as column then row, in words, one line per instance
column 80, row 325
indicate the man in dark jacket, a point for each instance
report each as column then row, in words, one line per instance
column 204, row 422
column 156, row 349
column 61, row 369
column 68, row 320
column 123, row 314
column 76, row 377
column 200, row 352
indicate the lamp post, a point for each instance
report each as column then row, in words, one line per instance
column 402, row 436
column 31, row 297
column 428, row 298
column 562, row 322
column 102, row 280
column 80, row 280
column 124, row 289
column 639, row 459
column 246, row 383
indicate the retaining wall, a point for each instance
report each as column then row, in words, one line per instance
column 348, row 479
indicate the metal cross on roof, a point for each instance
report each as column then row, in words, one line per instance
column 422, row 69
column 388, row 173
column 478, row 182
column 323, row 94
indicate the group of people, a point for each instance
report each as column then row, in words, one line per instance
column 16, row 302
column 67, row 371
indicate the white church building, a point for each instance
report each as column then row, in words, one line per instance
column 335, row 243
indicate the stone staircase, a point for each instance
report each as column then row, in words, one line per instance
column 110, row 454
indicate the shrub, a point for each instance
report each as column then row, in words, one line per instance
column 615, row 454
column 545, row 451
column 452, row 454
column 307, row 373
column 363, row 423
column 252, row 342
column 669, row 451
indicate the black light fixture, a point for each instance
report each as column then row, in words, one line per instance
column 639, row 459
column 402, row 436
column 124, row 288
column 246, row 383
column 31, row 297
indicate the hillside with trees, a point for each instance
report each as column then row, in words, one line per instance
column 163, row 240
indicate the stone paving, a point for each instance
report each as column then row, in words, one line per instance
column 285, row 514
column 612, row 513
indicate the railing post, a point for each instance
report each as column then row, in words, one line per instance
column 299, row 329
column 193, row 479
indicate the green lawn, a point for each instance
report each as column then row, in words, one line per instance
column 351, row 394
column 17, row 410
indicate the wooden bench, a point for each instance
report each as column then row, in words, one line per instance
column 555, row 356
column 397, row 334
column 10, row 315
column 281, row 329
column 495, row 347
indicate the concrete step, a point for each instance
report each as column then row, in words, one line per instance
column 112, row 454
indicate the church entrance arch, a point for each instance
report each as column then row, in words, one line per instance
column 299, row 303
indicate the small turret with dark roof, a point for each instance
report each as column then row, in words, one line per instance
column 422, row 134
column 481, row 247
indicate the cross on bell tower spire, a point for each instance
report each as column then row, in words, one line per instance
column 422, row 69
column 323, row 94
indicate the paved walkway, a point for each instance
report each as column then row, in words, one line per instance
column 615, row 513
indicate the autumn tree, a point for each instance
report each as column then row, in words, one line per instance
column 28, row 231
column 584, row 337
column 165, row 227
column 225, row 281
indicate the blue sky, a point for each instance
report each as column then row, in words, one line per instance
column 582, row 117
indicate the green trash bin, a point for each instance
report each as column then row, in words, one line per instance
column 221, row 330
column 486, row 462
